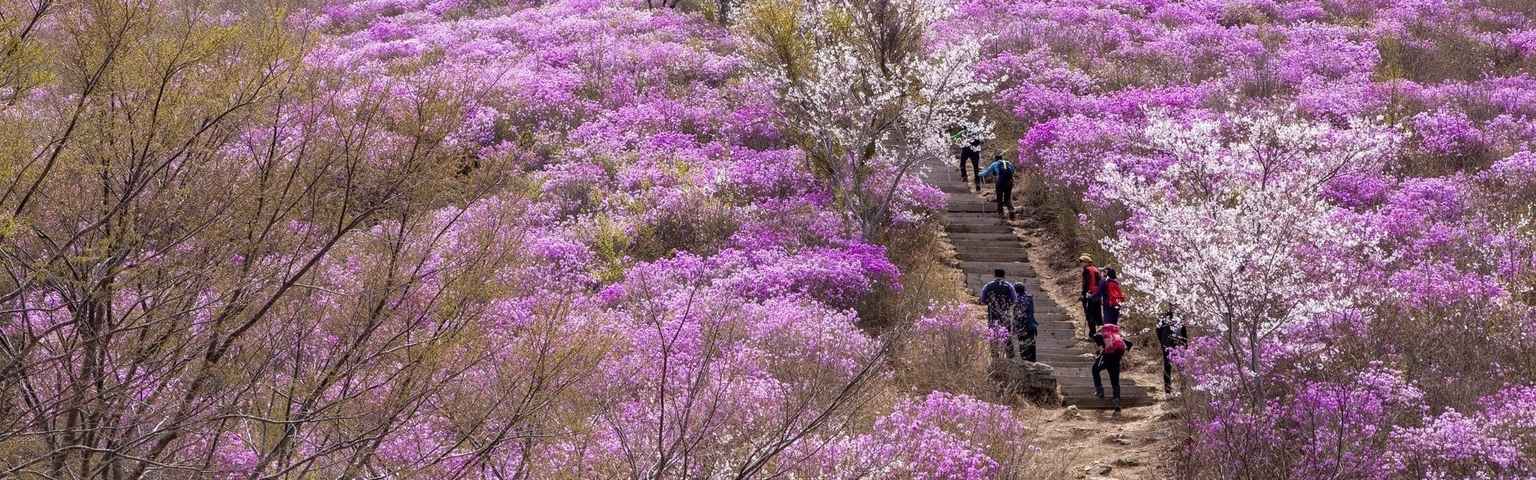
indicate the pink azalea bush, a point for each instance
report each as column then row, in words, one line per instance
column 475, row 239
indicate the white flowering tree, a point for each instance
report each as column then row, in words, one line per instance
column 877, row 97
column 1234, row 228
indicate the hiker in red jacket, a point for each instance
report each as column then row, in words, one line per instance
column 1089, row 294
column 1111, row 296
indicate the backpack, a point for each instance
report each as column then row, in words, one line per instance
column 1005, row 174
column 1112, row 293
column 998, row 303
column 1024, row 308
column 1114, row 344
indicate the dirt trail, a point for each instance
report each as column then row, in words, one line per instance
column 1092, row 441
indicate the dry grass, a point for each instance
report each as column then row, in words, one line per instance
column 952, row 360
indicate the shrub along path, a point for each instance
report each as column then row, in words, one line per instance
column 983, row 241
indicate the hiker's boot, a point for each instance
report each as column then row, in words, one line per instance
column 1117, row 405
column 1099, row 394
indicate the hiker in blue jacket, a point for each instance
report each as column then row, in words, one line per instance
column 1004, row 171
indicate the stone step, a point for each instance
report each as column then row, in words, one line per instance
column 989, row 216
column 1095, row 404
column 989, row 249
column 972, row 241
column 999, row 245
column 961, row 240
column 974, row 256
column 982, row 237
column 979, row 228
column 979, row 219
column 986, row 208
column 1023, row 269
column 1087, row 393
column 1083, row 387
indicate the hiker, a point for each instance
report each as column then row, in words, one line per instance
column 999, row 297
column 1024, row 324
column 1171, row 334
column 971, row 151
column 1004, row 172
column 1111, row 296
column 1089, row 293
column 1111, row 349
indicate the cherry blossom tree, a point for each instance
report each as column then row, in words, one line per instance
column 1217, row 227
column 877, row 98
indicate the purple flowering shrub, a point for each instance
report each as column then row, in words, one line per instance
column 452, row 239
column 937, row 436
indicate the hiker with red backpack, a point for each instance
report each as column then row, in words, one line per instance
column 1112, row 346
column 1111, row 296
column 1089, row 294
column 1004, row 171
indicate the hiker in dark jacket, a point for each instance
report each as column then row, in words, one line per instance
column 1024, row 324
column 971, row 152
column 1089, row 294
column 999, row 297
column 1110, row 295
column 1171, row 334
column 1111, row 350
column 1004, row 171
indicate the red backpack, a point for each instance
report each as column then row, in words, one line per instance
column 1113, row 342
column 1113, row 295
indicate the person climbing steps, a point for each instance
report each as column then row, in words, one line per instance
column 1089, row 294
column 1171, row 334
column 1111, row 350
column 1110, row 295
column 1004, row 171
column 971, row 152
column 999, row 297
column 1024, row 324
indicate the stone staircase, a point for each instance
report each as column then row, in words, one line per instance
column 983, row 242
